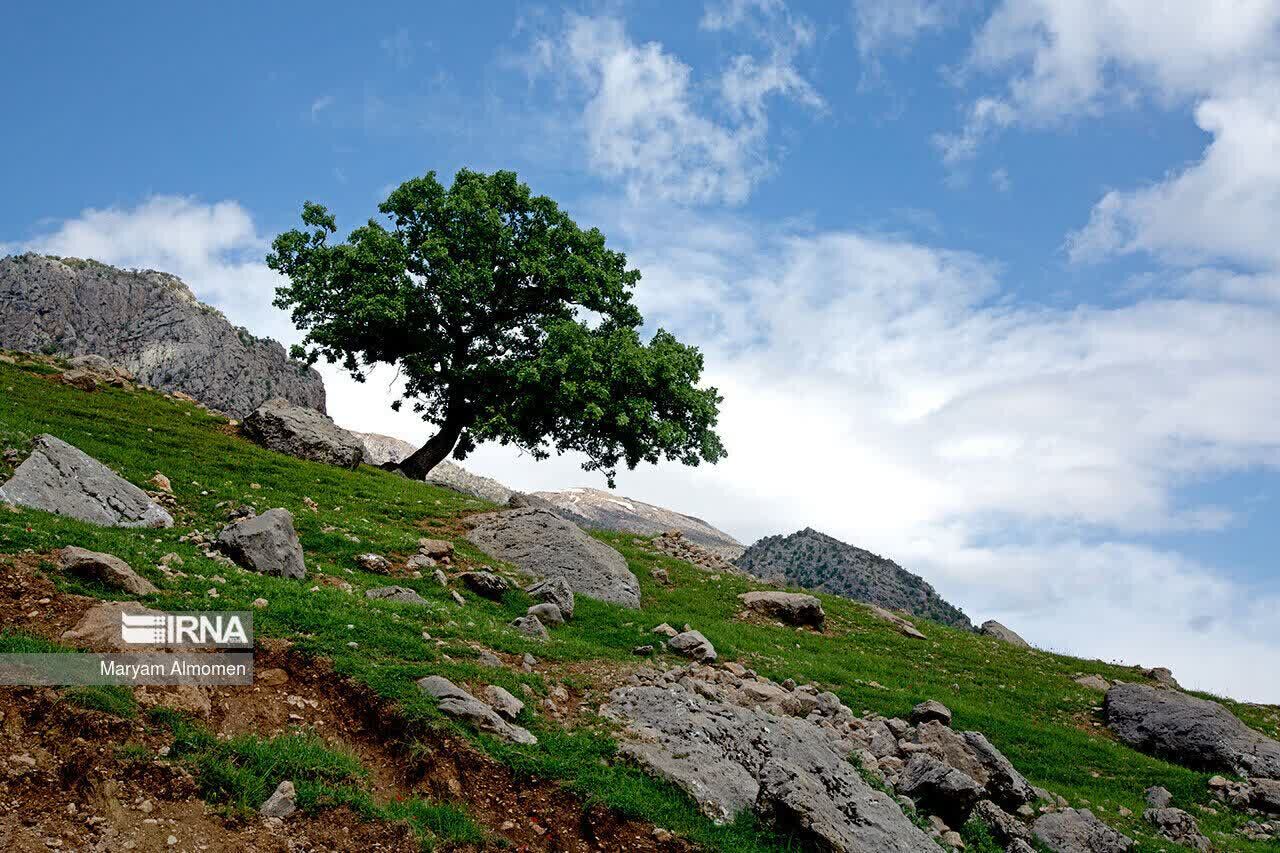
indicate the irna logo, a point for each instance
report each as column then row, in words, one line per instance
column 187, row 629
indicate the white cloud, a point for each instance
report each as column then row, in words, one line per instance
column 645, row 119
column 1020, row 457
column 891, row 26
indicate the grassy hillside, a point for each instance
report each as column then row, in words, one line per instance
column 1024, row 700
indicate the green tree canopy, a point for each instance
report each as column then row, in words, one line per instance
column 507, row 321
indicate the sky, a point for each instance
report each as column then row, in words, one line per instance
column 990, row 288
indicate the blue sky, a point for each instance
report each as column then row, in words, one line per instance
column 991, row 288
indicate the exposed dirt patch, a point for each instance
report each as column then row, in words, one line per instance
column 80, row 791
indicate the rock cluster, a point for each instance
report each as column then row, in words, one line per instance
column 461, row 705
column 64, row 480
column 674, row 543
column 544, row 545
column 303, row 432
column 151, row 324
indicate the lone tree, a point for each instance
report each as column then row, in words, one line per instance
column 507, row 321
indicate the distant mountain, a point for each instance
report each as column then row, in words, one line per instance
column 817, row 561
column 596, row 508
column 151, row 323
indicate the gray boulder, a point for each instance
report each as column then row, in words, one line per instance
column 940, row 788
column 974, row 755
column 453, row 476
column 693, row 645
column 992, row 628
column 107, row 569
column 733, row 760
column 461, row 705
column 282, row 802
column 302, row 432
column 930, row 710
column 554, row 591
column 1194, row 732
column 501, row 700
column 266, row 544
column 1006, row 828
column 793, row 608
column 546, row 613
column 402, row 594
column 64, row 480
column 531, row 626
column 485, row 584
column 1078, row 831
column 547, row 546
column 1158, row 797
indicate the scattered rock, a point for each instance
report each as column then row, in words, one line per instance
column 303, row 432
column 666, row 630
column 554, row 591
column 265, row 543
column 904, row 627
column 1158, row 797
column 104, row 568
column 485, row 584
column 402, row 594
column 281, row 803
column 930, row 710
column 542, row 543
column 161, row 482
column 547, row 613
column 1078, row 831
column 1093, row 682
column 458, row 703
column 793, row 608
column 419, row 563
column 452, row 476
column 693, row 645
column 1177, row 826
column 1004, row 827
column 436, row 549
column 375, row 563
column 643, row 651
column 531, row 626
column 503, row 702
column 992, row 628
column 63, row 480
column 1163, row 676
column 1194, row 732
column 100, row 627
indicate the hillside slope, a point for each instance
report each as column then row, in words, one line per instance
column 151, row 323
column 597, row 509
column 815, row 560
column 341, row 716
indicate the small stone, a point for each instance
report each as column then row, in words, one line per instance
column 531, row 626
column 929, row 711
column 281, row 803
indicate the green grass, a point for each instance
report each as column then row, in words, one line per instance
column 1024, row 700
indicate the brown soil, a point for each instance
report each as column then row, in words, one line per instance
column 64, row 784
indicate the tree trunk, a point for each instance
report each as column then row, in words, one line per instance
column 431, row 454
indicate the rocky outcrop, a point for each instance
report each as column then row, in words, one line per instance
column 673, row 543
column 597, row 509
column 386, row 451
column 814, row 560
column 380, row 450
column 1078, row 831
column 64, row 480
column 545, row 545
column 107, row 569
column 733, row 759
column 400, row 594
column 459, row 704
column 792, row 608
column 302, row 432
column 1194, row 732
column 266, row 544
column 992, row 628
column 150, row 323
column 905, row 628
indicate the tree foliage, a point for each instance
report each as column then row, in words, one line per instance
column 508, row 322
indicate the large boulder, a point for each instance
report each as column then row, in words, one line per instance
column 940, row 788
column 461, row 705
column 547, row 546
column 1078, row 831
column 1194, row 732
column 302, row 432
column 992, row 628
column 265, row 543
column 793, row 608
column 732, row 760
column 106, row 569
column 64, row 480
